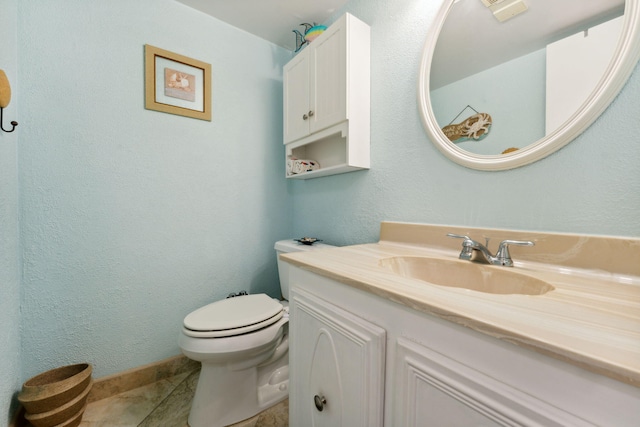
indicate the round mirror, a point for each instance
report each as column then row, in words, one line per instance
column 504, row 83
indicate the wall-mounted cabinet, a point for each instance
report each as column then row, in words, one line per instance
column 327, row 100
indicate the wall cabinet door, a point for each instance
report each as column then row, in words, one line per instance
column 575, row 65
column 328, row 93
column 315, row 85
column 336, row 365
column 296, row 97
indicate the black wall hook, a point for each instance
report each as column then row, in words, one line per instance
column 13, row 123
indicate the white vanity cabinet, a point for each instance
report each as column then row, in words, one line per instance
column 435, row 372
column 326, row 96
column 434, row 389
column 337, row 368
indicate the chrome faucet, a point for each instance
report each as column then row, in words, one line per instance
column 477, row 252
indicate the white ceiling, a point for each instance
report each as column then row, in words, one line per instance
column 273, row 20
column 475, row 39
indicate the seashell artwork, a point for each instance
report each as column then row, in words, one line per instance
column 179, row 85
column 474, row 127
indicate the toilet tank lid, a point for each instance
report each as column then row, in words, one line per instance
column 233, row 313
column 291, row 245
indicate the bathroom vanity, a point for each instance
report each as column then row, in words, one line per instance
column 380, row 338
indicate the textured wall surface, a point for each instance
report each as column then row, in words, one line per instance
column 129, row 218
column 10, row 378
column 590, row 186
column 132, row 218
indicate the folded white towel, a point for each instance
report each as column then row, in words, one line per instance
column 297, row 166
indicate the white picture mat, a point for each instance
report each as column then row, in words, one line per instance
column 162, row 63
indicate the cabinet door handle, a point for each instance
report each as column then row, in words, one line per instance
column 319, row 401
column 305, row 117
column 311, row 113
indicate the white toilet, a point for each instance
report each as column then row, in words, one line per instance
column 243, row 345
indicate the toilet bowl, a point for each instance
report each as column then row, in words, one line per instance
column 243, row 345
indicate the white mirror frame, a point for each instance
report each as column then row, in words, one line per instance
column 624, row 61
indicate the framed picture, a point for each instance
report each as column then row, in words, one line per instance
column 177, row 84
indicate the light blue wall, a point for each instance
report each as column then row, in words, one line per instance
column 10, row 378
column 590, row 186
column 513, row 94
column 132, row 218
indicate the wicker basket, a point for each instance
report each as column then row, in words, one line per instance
column 56, row 395
column 75, row 420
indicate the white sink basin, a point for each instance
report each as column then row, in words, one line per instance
column 468, row 275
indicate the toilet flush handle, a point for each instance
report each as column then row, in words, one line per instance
column 319, row 401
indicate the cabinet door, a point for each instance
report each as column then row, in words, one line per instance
column 296, row 97
column 328, row 94
column 435, row 390
column 575, row 65
column 336, row 364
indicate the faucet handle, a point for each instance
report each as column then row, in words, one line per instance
column 503, row 254
column 467, row 244
column 458, row 236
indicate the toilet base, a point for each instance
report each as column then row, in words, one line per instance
column 225, row 397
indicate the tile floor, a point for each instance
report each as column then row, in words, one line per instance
column 165, row 403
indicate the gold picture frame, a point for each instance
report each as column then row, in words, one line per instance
column 176, row 84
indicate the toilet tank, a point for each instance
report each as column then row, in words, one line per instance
column 288, row 246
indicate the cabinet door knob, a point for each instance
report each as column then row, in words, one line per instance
column 319, row 401
column 311, row 113
column 305, row 117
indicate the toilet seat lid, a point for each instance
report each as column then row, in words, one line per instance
column 234, row 316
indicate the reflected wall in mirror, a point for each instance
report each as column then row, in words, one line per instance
column 543, row 75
